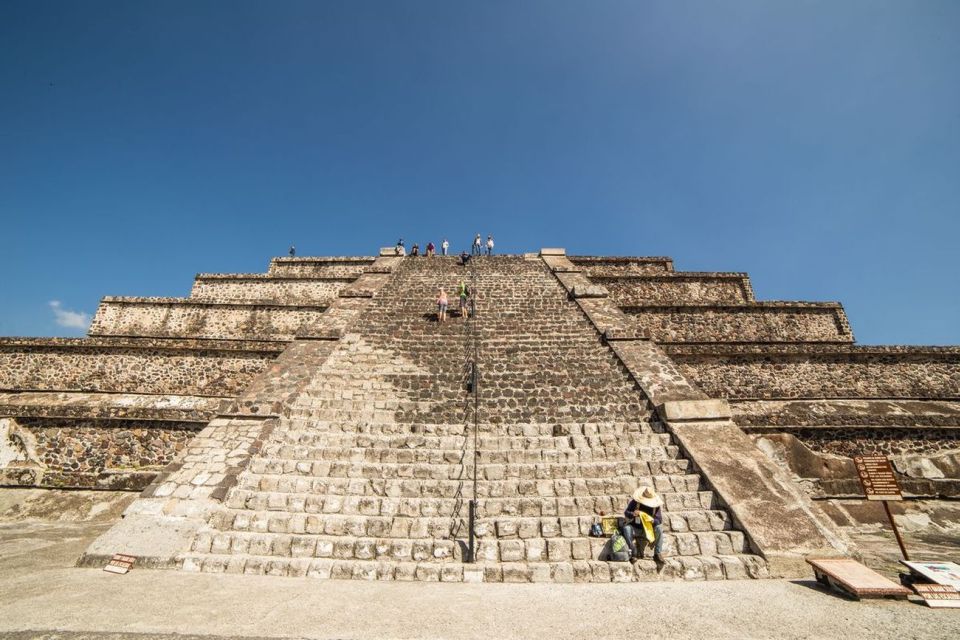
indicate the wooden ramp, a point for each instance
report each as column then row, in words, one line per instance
column 851, row 577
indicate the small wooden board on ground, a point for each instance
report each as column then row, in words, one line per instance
column 854, row 579
column 938, row 596
column 120, row 563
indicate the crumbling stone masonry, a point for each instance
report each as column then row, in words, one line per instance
column 316, row 420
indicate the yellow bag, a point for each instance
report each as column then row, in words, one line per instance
column 647, row 522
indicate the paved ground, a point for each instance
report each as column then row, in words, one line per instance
column 42, row 596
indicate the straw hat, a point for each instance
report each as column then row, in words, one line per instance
column 647, row 497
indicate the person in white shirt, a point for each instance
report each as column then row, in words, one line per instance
column 444, row 246
column 489, row 245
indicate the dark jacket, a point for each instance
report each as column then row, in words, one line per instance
column 655, row 512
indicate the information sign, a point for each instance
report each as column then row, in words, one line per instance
column 877, row 478
column 945, row 573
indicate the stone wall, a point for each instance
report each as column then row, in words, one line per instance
column 615, row 266
column 187, row 367
column 849, row 442
column 678, row 289
column 847, row 412
column 926, row 462
column 326, row 267
column 756, row 322
column 264, row 288
column 796, row 371
column 184, row 318
column 126, row 406
column 91, row 453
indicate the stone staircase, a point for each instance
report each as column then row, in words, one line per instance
column 369, row 472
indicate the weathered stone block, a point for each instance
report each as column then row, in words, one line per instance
column 428, row 572
column 559, row 550
column 512, row 551
column 517, row 572
column 695, row 410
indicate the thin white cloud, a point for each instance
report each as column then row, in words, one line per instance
column 69, row 319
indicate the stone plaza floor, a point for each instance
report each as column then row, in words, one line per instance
column 43, row 596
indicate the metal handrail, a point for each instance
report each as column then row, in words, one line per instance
column 475, row 384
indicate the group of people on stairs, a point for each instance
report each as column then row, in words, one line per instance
column 443, row 302
column 431, row 249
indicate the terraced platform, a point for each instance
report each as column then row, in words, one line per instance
column 368, row 472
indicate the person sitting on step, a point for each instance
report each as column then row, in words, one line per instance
column 415, row 250
column 430, row 248
column 442, row 303
column 644, row 504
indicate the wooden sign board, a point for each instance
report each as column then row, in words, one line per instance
column 877, row 478
column 945, row 573
column 938, row 596
column 854, row 579
column 120, row 563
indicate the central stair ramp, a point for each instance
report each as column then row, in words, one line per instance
column 520, row 412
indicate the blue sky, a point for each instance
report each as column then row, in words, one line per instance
column 815, row 145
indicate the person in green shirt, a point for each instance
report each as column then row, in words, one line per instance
column 464, row 294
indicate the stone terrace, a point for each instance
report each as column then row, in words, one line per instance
column 793, row 377
column 110, row 411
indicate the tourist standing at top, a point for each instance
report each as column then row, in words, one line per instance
column 430, row 248
column 489, row 245
column 475, row 249
column 401, row 250
column 292, row 251
column 444, row 246
column 415, row 250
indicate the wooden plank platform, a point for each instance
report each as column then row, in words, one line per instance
column 851, row 577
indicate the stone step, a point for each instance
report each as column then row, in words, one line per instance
column 373, row 453
column 305, row 502
column 306, row 430
column 549, row 411
column 436, row 546
column 690, row 568
column 514, row 489
column 449, row 470
column 400, row 526
column 457, row 404
column 300, row 444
